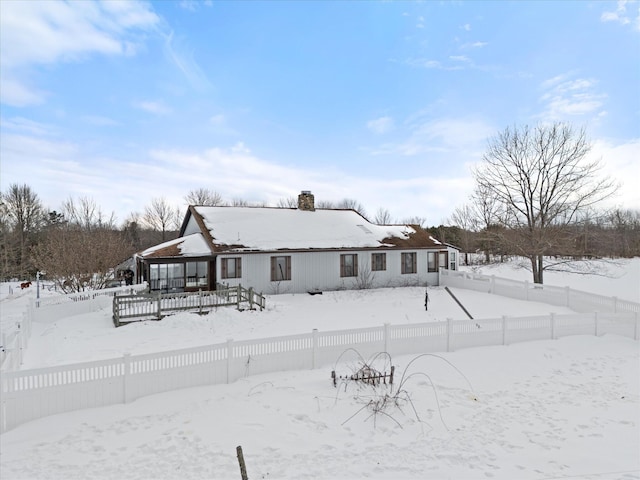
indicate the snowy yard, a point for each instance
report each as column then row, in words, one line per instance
column 539, row 410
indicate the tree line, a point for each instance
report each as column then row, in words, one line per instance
column 535, row 196
column 79, row 246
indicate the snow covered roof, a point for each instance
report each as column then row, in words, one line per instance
column 206, row 230
column 193, row 245
column 268, row 229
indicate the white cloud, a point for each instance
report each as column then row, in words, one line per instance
column 620, row 162
column 380, row 125
column 194, row 5
column 177, row 52
column 564, row 96
column 25, row 125
column 622, row 16
column 460, row 135
column 37, row 33
column 432, row 64
column 17, row 93
column 58, row 170
column 466, row 27
column 155, row 107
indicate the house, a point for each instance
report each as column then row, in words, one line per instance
column 292, row 250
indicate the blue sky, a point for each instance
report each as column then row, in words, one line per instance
column 387, row 103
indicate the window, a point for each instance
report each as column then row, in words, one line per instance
column 280, row 268
column 231, row 267
column 197, row 274
column 409, row 263
column 349, row 265
column 443, row 259
column 378, row 262
column 452, row 260
column 432, row 265
column 166, row 276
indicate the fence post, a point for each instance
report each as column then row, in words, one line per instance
column 159, row 300
column 615, row 304
column 229, row 357
column 239, row 296
column 568, row 296
column 314, row 348
column 449, row 331
column 492, row 284
column 19, row 344
column 250, row 294
column 200, row 301
column 553, row 325
column 5, row 351
column 595, row 321
column 385, row 332
column 126, row 360
column 504, row 330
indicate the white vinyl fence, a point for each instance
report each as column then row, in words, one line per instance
column 562, row 296
column 51, row 309
column 28, row 395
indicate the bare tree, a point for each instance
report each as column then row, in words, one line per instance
column 22, row 216
column 420, row 221
column 204, row 196
column 326, row 204
column 77, row 258
column 464, row 217
column 160, row 216
column 86, row 213
column 239, row 202
column 349, row 203
column 383, row 217
column 289, row 202
column 541, row 180
column 487, row 214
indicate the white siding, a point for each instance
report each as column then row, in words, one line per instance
column 318, row 271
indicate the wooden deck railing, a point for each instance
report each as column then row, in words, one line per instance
column 154, row 305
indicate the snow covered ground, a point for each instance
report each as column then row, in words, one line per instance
column 568, row 408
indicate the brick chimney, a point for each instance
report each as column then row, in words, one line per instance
column 306, row 201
